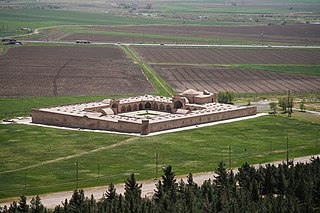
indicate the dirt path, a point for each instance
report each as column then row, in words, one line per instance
column 72, row 156
column 53, row 199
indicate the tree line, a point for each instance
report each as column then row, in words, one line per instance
column 283, row 188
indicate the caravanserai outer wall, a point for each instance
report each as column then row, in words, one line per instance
column 185, row 109
column 143, row 127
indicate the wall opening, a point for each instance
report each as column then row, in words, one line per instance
column 140, row 106
column 147, row 105
column 178, row 105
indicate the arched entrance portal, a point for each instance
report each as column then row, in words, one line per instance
column 147, row 105
column 178, row 105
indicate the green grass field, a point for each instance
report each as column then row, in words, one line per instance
column 196, row 150
column 14, row 19
column 139, row 37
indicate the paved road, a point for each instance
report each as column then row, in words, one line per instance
column 175, row 45
column 148, row 187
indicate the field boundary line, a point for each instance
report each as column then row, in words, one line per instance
column 72, row 156
column 162, row 87
column 55, row 79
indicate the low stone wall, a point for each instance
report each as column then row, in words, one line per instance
column 201, row 118
column 57, row 119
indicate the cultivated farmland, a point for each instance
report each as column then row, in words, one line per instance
column 284, row 34
column 199, row 68
column 235, row 79
column 69, row 71
column 228, row 56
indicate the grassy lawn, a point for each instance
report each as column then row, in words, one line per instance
column 196, row 150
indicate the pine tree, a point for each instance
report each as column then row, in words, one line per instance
column 77, row 202
column 221, row 179
column 168, row 180
column 111, row 193
column 13, row 207
column 36, row 205
column 132, row 194
column 22, row 204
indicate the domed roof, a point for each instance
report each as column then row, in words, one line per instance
column 190, row 92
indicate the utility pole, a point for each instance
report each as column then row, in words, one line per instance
column 289, row 104
column 176, row 37
column 77, row 173
column 220, row 38
column 222, row 156
column 262, row 37
column 133, row 37
column 245, row 155
column 98, row 171
column 287, row 150
column 229, row 156
column 306, row 33
column 25, row 180
column 156, row 155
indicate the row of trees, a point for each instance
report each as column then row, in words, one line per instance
column 286, row 105
column 225, row 97
column 285, row 188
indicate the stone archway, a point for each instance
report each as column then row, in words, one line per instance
column 123, row 109
column 129, row 108
column 161, row 107
column 140, row 106
column 155, row 106
column 135, row 107
column 178, row 104
column 168, row 108
column 147, row 105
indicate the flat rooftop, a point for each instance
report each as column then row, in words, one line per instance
column 79, row 110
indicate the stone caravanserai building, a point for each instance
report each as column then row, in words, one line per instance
column 143, row 114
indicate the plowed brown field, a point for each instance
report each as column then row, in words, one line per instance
column 69, row 71
column 236, row 80
column 229, row 56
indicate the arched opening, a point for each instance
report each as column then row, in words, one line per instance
column 114, row 105
column 129, row 108
column 178, row 105
column 147, row 105
column 135, row 107
column 161, row 107
column 140, row 106
column 168, row 108
column 123, row 109
column 155, row 106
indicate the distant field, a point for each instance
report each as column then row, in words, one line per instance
column 69, row 71
column 236, row 70
column 228, row 56
column 239, row 80
column 276, row 34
